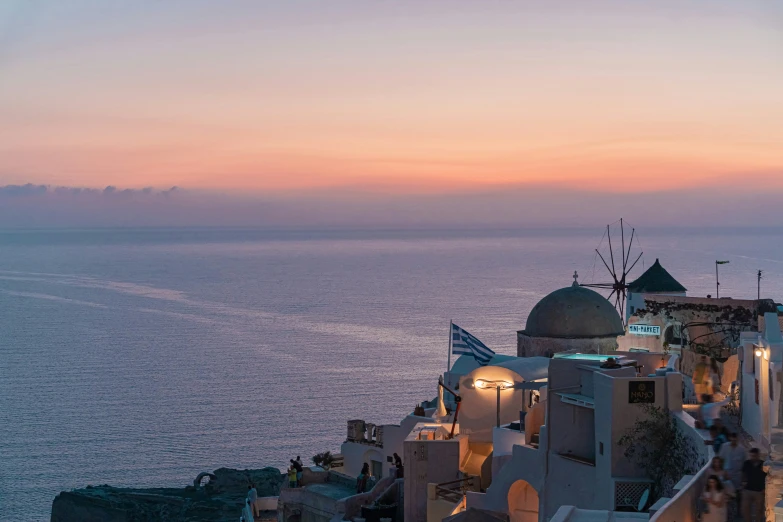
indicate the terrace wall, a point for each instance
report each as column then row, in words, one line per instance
column 683, row 507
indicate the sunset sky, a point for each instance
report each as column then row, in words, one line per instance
column 295, row 97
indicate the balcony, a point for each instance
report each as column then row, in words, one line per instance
column 444, row 500
column 456, row 489
column 578, row 458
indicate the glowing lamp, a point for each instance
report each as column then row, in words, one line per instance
column 484, row 384
column 500, row 385
column 759, row 352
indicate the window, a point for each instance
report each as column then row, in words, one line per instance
column 673, row 335
column 535, row 398
column 771, row 386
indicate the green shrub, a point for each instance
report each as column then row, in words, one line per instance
column 658, row 446
column 324, row 460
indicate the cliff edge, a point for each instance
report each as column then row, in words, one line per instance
column 215, row 497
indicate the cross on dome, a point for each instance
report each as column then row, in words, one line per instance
column 576, row 276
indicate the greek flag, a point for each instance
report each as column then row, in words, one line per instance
column 463, row 343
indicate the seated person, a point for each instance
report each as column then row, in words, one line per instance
column 611, row 362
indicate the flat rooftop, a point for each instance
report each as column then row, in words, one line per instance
column 333, row 490
column 589, row 357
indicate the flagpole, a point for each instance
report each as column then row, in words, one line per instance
column 448, row 359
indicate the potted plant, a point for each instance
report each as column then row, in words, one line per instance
column 665, row 353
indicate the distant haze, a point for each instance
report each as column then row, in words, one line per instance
column 46, row 206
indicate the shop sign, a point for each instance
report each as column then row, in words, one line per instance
column 641, row 392
column 644, row 329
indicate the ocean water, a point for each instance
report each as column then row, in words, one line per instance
column 143, row 357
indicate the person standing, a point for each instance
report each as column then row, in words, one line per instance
column 291, row 477
column 247, row 512
column 398, row 465
column 361, row 480
column 718, row 469
column 701, row 375
column 709, row 411
column 714, row 499
column 252, row 496
column 754, row 482
column 734, row 457
column 298, row 469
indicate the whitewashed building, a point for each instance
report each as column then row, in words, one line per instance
column 576, row 461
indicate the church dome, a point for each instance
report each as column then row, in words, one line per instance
column 574, row 312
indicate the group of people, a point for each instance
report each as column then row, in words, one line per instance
column 735, row 484
column 250, row 510
column 363, row 480
column 295, row 471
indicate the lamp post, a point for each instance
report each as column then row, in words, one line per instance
column 717, row 281
column 758, row 288
column 497, row 385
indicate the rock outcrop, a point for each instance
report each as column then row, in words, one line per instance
column 220, row 499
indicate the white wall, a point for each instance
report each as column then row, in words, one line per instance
column 751, row 412
column 574, row 483
column 759, row 418
column 568, row 427
column 434, row 461
column 623, row 417
column 504, row 439
column 393, row 437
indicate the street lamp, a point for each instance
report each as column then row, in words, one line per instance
column 498, row 385
column 717, row 281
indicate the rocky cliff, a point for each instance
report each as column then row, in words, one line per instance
column 218, row 497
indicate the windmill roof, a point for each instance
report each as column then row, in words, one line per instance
column 655, row 280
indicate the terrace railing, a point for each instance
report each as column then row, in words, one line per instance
column 454, row 491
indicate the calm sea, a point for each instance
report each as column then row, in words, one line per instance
column 143, row 357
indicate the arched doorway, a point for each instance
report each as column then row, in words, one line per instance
column 522, row 502
column 376, row 461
